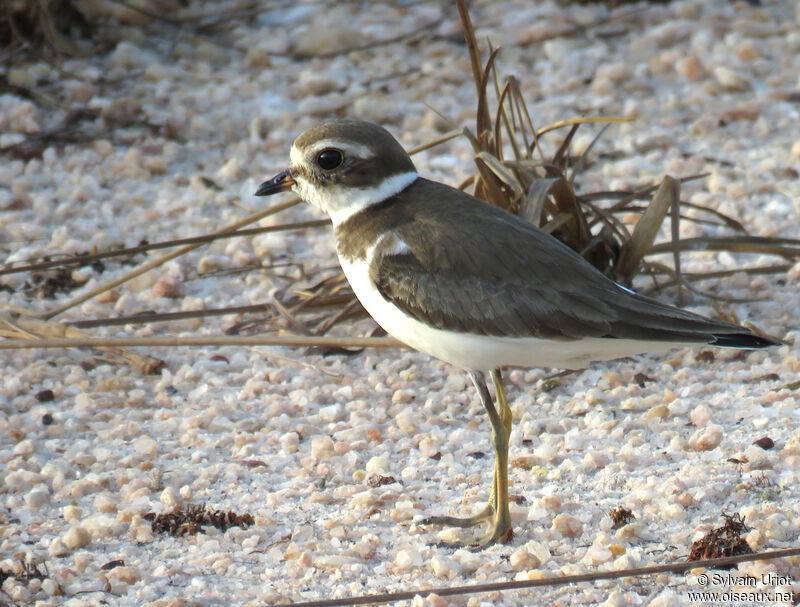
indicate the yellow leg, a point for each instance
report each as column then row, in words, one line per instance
column 496, row 512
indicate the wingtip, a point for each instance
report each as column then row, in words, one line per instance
column 749, row 341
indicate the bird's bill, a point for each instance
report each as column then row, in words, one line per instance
column 280, row 183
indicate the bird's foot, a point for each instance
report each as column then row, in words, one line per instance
column 500, row 529
column 453, row 521
column 497, row 534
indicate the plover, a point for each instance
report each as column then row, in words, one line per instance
column 472, row 284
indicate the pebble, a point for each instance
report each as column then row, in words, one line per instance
column 706, row 438
column 170, row 498
column 333, row 413
column 522, row 559
column 597, row 555
column 407, row 559
column 37, row 497
column 145, row 446
column 731, row 80
column 407, row 422
column 445, row 567
column 322, row 447
column 378, row 465
column 567, row 525
column 76, row 537
column 700, row 416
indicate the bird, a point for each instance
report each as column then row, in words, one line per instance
column 472, row 284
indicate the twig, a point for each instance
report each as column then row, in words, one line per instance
column 86, row 259
column 165, row 258
column 583, row 120
column 205, row 340
column 149, row 317
column 35, row 330
column 551, row 581
column 369, row 45
column 786, row 247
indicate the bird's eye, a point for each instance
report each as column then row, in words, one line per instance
column 329, row 159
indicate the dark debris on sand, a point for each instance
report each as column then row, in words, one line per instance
column 722, row 541
column 188, row 520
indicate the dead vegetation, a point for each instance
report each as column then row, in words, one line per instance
column 190, row 519
column 621, row 516
column 722, row 541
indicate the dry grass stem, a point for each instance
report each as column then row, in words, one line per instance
column 33, row 332
column 165, row 258
column 204, row 340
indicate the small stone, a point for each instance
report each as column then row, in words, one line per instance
column 57, row 548
column 72, row 513
column 76, row 537
column 304, row 559
column 170, row 498
column 631, row 531
column 17, row 592
column 567, row 526
column 691, row 68
column 332, row 413
column 168, row 286
column 406, row 421
column 45, row 396
column 521, row 559
column 407, row 559
column 731, row 80
column 445, row 567
column 707, row 438
column 765, row 442
column 290, row 441
column 402, row 397
column 232, row 169
column 81, row 92
column 700, row 416
column 747, row 50
column 37, row 497
column 22, row 77
column 322, row 447
column 366, row 548
column 25, row 448
column 146, row 446
column 686, row 499
column 616, row 599
column 597, row 555
column 552, row 502
column 468, row 560
column 617, row 550
column 657, row 412
column 322, row 39
column 258, row 57
column 378, row 464
column 103, row 502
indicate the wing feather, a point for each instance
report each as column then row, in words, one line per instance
column 456, row 272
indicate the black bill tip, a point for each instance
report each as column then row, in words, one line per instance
column 280, row 183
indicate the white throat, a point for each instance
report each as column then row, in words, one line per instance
column 341, row 203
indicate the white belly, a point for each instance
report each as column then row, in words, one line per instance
column 484, row 352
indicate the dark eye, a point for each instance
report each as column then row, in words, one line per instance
column 330, row 159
